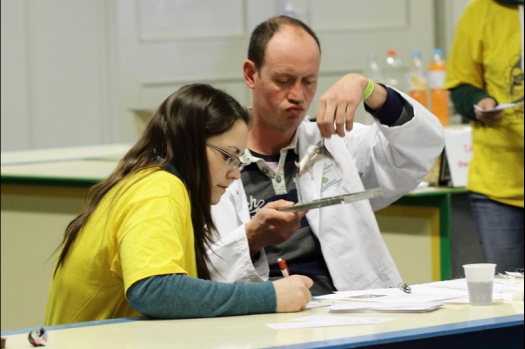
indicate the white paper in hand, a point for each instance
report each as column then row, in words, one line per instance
column 498, row 107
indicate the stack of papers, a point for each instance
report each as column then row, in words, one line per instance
column 504, row 289
column 395, row 296
column 366, row 307
column 423, row 298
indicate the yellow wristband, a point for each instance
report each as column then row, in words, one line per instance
column 369, row 89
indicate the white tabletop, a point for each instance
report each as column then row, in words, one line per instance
column 116, row 150
column 78, row 170
column 87, row 163
column 252, row 332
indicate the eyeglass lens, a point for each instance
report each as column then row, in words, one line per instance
column 231, row 159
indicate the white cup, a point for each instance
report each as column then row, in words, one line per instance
column 480, row 282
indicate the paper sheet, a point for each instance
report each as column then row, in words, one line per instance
column 500, row 106
column 515, row 274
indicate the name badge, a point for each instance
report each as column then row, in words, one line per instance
column 330, row 175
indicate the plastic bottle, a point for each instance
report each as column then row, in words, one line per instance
column 373, row 69
column 417, row 79
column 439, row 99
column 394, row 71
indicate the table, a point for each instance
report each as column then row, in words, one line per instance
column 452, row 326
column 43, row 190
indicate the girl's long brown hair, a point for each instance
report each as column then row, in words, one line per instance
column 177, row 134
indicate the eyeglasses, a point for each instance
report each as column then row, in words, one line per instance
column 231, row 160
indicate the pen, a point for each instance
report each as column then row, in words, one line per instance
column 283, row 267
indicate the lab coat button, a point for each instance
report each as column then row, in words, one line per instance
column 278, row 179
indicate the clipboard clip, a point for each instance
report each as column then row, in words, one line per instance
column 404, row 287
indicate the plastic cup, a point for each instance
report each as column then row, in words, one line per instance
column 480, row 282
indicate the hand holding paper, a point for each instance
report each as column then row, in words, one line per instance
column 486, row 111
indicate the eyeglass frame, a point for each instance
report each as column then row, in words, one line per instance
column 237, row 163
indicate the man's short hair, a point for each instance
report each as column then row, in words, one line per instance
column 263, row 33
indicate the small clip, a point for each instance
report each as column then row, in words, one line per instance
column 38, row 337
column 404, row 287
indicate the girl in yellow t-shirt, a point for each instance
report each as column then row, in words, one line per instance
column 139, row 246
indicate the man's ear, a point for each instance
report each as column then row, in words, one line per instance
column 249, row 70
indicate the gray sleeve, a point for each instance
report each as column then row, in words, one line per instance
column 406, row 115
column 177, row 296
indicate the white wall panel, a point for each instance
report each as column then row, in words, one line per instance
column 167, row 19
column 189, row 60
column 68, row 64
column 346, row 50
column 349, row 30
column 15, row 104
column 157, row 56
column 152, row 92
column 329, row 15
column 56, row 70
column 455, row 9
column 258, row 11
column 73, row 69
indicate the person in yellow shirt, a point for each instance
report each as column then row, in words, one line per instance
column 485, row 68
column 139, row 246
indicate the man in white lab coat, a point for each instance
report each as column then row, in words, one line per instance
column 339, row 247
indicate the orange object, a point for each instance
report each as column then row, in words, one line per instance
column 439, row 102
column 439, row 97
column 420, row 96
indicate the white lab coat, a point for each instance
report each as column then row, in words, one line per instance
column 394, row 159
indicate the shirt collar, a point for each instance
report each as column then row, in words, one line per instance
column 249, row 158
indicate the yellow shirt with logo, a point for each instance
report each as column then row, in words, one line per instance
column 486, row 53
column 141, row 228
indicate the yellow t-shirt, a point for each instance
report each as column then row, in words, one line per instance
column 141, row 228
column 486, row 53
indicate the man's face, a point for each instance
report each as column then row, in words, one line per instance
column 285, row 85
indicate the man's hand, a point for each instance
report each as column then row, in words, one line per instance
column 338, row 104
column 292, row 293
column 488, row 118
column 271, row 227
